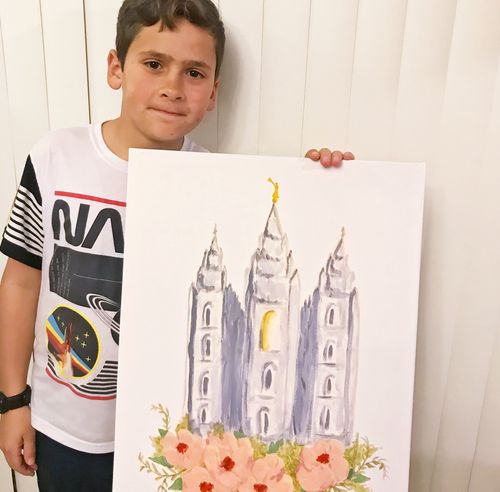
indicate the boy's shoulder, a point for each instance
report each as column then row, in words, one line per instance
column 62, row 138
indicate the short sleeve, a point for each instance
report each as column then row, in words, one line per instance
column 23, row 236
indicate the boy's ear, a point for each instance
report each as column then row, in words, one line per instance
column 213, row 96
column 115, row 72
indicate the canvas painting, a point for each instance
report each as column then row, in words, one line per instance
column 268, row 324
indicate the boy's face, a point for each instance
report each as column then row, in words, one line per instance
column 168, row 83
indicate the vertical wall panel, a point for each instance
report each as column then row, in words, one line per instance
column 284, row 59
column 65, row 62
column 466, row 115
column 238, row 126
column 5, row 476
column 24, row 62
column 375, row 77
column 26, row 484
column 332, row 36
column 485, row 474
column 424, row 66
column 100, row 34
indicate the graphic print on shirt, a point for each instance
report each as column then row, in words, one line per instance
column 90, row 280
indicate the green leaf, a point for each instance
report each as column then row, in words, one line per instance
column 274, row 447
column 177, row 485
column 162, row 432
column 161, row 460
column 359, row 478
column 239, row 434
column 351, row 473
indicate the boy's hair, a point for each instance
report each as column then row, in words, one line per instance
column 136, row 14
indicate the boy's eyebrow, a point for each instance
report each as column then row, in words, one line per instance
column 163, row 56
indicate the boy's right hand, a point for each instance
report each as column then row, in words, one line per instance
column 17, row 440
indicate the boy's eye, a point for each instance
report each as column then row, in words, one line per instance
column 154, row 65
column 195, row 74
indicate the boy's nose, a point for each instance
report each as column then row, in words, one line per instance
column 172, row 89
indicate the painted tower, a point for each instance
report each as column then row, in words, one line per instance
column 327, row 359
column 271, row 308
column 205, row 341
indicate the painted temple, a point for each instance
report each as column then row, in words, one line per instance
column 269, row 365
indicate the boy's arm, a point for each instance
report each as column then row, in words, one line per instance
column 19, row 292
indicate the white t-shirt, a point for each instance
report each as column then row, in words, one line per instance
column 68, row 220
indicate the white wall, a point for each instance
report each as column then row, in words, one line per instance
column 387, row 79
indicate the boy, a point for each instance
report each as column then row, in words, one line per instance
column 61, row 289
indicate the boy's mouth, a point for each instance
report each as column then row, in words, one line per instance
column 168, row 112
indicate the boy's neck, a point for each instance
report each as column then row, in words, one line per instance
column 119, row 138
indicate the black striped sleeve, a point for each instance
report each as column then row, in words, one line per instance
column 23, row 236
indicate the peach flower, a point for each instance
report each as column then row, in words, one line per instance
column 268, row 475
column 228, row 459
column 322, row 465
column 199, row 480
column 183, row 450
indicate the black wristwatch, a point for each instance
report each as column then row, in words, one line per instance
column 12, row 402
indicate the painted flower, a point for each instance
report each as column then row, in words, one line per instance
column 267, row 475
column 228, row 459
column 183, row 450
column 199, row 480
column 322, row 465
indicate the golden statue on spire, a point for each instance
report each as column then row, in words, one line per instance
column 276, row 189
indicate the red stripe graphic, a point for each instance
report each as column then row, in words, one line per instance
column 91, row 198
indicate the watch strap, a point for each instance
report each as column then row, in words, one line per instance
column 17, row 401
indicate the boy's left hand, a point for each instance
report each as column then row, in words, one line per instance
column 329, row 158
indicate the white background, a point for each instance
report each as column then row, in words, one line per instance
column 380, row 206
column 412, row 80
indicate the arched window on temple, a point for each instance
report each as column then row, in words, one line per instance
column 329, row 351
column 207, row 314
column 268, row 378
column 264, row 420
column 270, row 334
column 330, row 316
column 325, row 419
column 205, row 384
column 206, row 347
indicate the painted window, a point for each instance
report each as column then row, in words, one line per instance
column 325, row 419
column 329, row 351
column 268, row 375
column 207, row 314
column 206, row 347
column 328, row 386
column 330, row 317
column 264, row 421
column 270, row 335
column 205, row 383
column 203, row 414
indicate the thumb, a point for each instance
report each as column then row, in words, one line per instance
column 29, row 447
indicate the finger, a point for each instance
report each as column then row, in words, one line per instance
column 29, row 448
column 337, row 157
column 16, row 462
column 312, row 154
column 325, row 157
column 349, row 156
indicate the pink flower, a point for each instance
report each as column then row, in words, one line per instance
column 228, row 459
column 322, row 466
column 268, row 475
column 184, row 450
column 199, row 480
